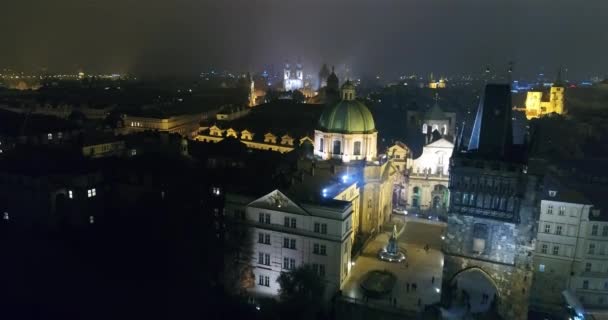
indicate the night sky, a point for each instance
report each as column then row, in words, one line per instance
column 372, row 36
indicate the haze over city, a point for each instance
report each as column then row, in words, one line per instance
column 304, row 160
column 371, row 37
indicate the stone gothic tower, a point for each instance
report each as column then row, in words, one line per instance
column 488, row 242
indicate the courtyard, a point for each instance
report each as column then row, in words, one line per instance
column 418, row 278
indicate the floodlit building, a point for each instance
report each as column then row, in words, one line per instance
column 184, row 124
column 284, row 234
column 490, row 216
column 539, row 103
column 428, row 178
column 293, row 79
column 571, row 247
column 347, row 130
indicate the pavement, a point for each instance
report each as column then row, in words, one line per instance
column 419, row 267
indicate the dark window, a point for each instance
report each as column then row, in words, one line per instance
column 337, row 147
column 357, row 148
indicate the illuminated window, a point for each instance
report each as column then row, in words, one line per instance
column 91, row 193
column 91, row 219
column 70, row 194
column 133, row 152
column 541, row 267
column 216, row 191
column 50, row 136
column 424, row 128
column 5, row 216
column 59, row 135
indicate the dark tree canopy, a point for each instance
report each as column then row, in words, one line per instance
column 301, row 292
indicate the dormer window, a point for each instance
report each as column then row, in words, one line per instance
column 552, row 193
column 50, row 136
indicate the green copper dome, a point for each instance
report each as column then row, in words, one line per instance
column 347, row 116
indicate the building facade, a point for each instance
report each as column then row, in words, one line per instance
column 293, row 79
column 490, row 217
column 346, row 130
column 284, row 235
column 428, row 178
column 571, row 250
column 186, row 125
column 539, row 104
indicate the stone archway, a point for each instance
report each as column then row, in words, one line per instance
column 473, row 290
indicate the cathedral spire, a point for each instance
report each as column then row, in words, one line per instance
column 558, row 79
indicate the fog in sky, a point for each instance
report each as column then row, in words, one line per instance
column 371, row 36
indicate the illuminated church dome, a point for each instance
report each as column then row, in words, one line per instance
column 348, row 115
column 346, row 130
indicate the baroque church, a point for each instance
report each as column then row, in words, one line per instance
column 293, row 79
column 336, row 197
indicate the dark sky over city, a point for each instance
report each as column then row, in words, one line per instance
column 372, row 36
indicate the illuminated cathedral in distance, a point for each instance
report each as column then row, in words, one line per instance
column 293, row 80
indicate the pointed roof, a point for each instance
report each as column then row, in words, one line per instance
column 493, row 129
column 276, row 200
column 435, row 113
column 558, row 79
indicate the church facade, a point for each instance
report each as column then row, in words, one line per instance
column 293, row 79
column 428, row 178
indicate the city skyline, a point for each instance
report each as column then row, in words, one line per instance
column 373, row 38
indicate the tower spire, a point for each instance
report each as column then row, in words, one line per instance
column 558, row 79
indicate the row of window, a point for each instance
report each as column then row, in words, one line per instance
column 264, row 280
column 320, row 228
column 337, row 147
column 544, row 248
column 291, row 223
column 290, row 243
column 135, row 124
column 264, row 258
column 485, row 201
column 50, row 135
column 595, row 228
column 90, row 193
column 561, row 212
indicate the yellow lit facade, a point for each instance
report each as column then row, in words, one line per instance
column 536, row 107
column 270, row 141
